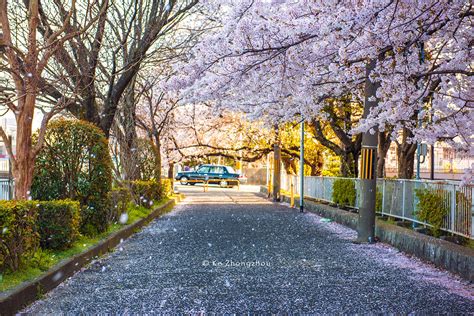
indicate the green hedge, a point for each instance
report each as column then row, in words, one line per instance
column 432, row 208
column 75, row 164
column 344, row 192
column 18, row 236
column 145, row 192
column 166, row 188
column 58, row 223
column 120, row 197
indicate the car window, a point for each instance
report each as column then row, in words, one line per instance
column 217, row 169
column 203, row 169
column 230, row 170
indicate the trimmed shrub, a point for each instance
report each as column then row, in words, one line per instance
column 344, row 192
column 75, row 164
column 378, row 201
column 431, row 208
column 18, row 236
column 166, row 188
column 145, row 192
column 120, row 197
column 58, row 223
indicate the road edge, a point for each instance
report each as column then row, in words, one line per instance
column 28, row 292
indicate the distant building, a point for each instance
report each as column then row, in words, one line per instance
column 449, row 164
column 9, row 126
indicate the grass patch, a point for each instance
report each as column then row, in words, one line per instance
column 43, row 260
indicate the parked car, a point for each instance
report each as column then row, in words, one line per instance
column 225, row 176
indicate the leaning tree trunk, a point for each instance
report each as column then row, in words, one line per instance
column 317, row 164
column 349, row 166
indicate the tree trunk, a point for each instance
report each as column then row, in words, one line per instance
column 406, row 163
column 127, row 136
column 157, row 152
column 383, row 147
column 317, row 164
column 406, row 156
column 348, row 167
column 289, row 164
column 24, row 159
column 171, row 170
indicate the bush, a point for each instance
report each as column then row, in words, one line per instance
column 166, row 188
column 18, row 236
column 344, row 192
column 120, row 197
column 75, row 164
column 58, row 223
column 431, row 208
column 145, row 192
column 378, row 201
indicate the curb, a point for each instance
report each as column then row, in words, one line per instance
column 23, row 295
column 443, row 254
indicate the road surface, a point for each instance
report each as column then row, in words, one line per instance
column 233, row 251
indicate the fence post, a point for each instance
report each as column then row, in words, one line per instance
column 292, row 193
column 403, row 198
column 453, row 208
column 472, row 212
column 383, row 196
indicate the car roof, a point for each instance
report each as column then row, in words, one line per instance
column 211, row 165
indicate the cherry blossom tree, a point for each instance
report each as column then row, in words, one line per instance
column 24, row 57
column 281, row 59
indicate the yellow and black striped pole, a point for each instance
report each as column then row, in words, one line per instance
column 367, row 174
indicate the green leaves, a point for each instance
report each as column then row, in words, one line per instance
column 58, row 223
column 18, row 235
column 75, row 163
column 344, row 192
column 432, row 208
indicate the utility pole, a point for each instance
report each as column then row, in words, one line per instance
column 419, row 148
column 368, row 178
column 276, row 172
column 302, row 167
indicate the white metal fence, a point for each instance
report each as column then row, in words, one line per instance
column 397, row 198
column 6, row 189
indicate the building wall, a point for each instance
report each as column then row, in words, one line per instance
column 449, row 164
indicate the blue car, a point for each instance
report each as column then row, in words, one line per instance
column 225, row 176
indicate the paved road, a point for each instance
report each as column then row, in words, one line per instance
column 232, row 251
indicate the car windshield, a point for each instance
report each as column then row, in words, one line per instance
column 230, row 170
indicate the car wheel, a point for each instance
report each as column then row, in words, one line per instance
column 183, row 180
column 223, row 184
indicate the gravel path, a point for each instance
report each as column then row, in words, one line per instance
column 229, row 251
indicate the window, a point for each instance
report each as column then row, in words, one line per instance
column 204, row 169
column 217, row 169
column 230, row 170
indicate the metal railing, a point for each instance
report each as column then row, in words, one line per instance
column 398, row 199
column 6, row 189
